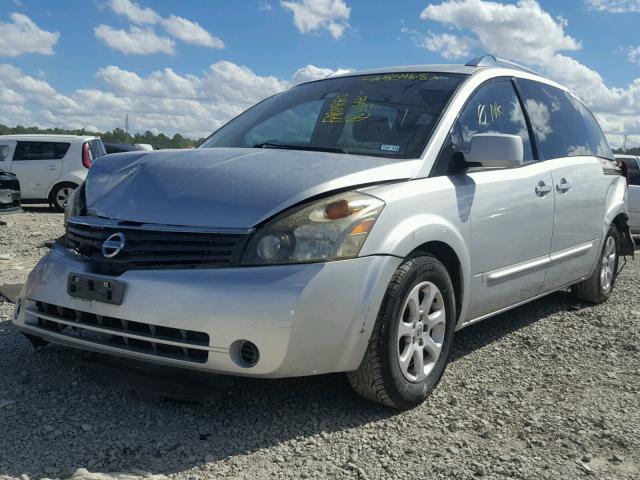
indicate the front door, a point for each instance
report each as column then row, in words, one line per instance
column 511, row 209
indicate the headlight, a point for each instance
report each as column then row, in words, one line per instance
column 329, row 229
column 76, row 204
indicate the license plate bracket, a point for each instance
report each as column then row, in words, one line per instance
column 92, row 287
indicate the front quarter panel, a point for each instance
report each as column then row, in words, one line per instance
column 422, row 211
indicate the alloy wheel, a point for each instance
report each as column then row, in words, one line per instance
column 608, row 266
column 421, row 331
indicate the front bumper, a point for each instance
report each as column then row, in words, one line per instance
column 9, row 201
column 304, row 319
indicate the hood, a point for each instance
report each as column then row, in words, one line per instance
column 225, row 187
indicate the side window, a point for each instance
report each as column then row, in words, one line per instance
column 494, row 108
column 562, row 126
column 40, row 150
column 5, row 150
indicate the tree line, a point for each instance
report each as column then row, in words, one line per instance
column 628, row 151
column 117, row 135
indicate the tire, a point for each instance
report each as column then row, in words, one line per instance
column 383, row 376
column 598, row 287
column 60, row 194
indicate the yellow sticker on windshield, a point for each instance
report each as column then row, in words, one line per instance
column 360, row 110
column 335, row 114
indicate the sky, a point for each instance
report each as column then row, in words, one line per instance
column 188, row 67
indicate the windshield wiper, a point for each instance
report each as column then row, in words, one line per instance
column 300, row 147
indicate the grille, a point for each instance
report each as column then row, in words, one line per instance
column 167, row 342
column 147, row 248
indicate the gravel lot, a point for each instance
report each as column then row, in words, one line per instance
column 550, row 390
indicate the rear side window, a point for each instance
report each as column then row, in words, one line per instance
column 594, row 132
column 5, row 150
column 632, row 170
column 562, row 126
column 96, row 148
column 40, row 150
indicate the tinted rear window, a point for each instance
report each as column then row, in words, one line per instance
column 96, row 148
column 40, row 150
column 632, row 169
column 562, row 126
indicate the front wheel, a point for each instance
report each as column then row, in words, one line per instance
column 411, row 340
column 598, row 287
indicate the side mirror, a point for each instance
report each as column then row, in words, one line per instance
column 496, row 150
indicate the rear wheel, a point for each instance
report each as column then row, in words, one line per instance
column 412, row 337
column 60, row 195
column 598, row 287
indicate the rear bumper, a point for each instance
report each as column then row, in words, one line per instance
column 304, row 319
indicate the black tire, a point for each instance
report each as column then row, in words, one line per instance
column 54, row 197
column 591, row 290
column 379, row 377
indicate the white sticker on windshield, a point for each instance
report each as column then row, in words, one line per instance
column 389, row 148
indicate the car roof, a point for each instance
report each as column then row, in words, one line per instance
column 46, row 136
column 484, row 63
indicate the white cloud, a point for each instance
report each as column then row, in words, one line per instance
column 178, row 28
column 449, row 46
column 134, row 12
column 163, row 101
column 633, row 54
column 614, row 6
column 313, row 15
column 136, row 40
column 311, row 72
column 506, row 30
column 190, row 32
column 264, row 6
column 524, row 30
column 22, row 35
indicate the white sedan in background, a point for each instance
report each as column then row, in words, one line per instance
column 631, row 169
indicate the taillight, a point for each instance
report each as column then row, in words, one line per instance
column 625, row 171
column 86, row 155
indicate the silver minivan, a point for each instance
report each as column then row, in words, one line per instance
column 350, row 224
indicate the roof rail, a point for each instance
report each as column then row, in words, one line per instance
column 493, row 61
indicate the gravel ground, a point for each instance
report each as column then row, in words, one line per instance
column 550, row 390
column 22, row 240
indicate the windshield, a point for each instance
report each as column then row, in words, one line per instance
column 388, row 115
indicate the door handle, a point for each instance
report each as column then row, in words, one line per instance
column 53, row 167
column 563, row 186
column 542, row 189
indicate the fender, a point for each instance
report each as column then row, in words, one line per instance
column 406, row 236
column 616, row 208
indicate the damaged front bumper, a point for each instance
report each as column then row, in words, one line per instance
column 304, row 319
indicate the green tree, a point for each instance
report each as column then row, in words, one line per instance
column 117, row 135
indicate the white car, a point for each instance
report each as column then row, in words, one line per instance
column 631, row 170
column 49, row 167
